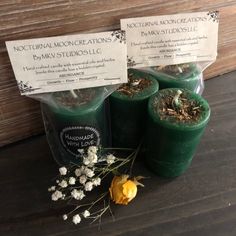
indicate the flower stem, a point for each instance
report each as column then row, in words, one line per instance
column 99, row 199
column 134, row 157
column 120, row 149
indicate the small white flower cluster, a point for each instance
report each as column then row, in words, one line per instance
column 63, row 170
column 86, row 172
column 77, row 194
column 77, row 218
column 57, row 195
column 110, row 159
column 91, row 157
column 74, row 182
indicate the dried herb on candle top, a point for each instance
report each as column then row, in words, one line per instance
column 134, row 85
column 174, row 70
column 67, row 99
column 184, row 111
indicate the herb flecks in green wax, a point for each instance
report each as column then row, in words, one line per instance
column 134, row 85
column 174, row 69
column 178, row 107
column 77, row 98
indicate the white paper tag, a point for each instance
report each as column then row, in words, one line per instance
column 69, row 62
column 171, row 39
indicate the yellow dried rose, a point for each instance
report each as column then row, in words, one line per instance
column 123, row 190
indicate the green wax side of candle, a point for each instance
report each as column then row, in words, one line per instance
column 189, row 80
column 170, row 146
column 76, row 128
column 129, row 113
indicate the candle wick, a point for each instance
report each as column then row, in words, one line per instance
column 73, row 93
column 180, row 70
column 176, row 102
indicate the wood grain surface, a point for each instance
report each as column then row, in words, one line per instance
column 201, row 202
column 23, row 19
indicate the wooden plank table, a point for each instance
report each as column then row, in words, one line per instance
column 27, row 19
column 200, row 202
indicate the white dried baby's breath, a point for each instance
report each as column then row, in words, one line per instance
column 65, row 217
column 56, row 195
column 77, row 194
column 78, row 172
column 63, row 184
column 76, row 219
column 81, row 151
column 88, row 186
column 63, row 170
column 92, row 158
column 92, row 149
column 52, row 188
column 72, row 181
column 89, row 172
column 97, row 181
column 83, row 179
column 86, row 214
column 110, row 159
column 86, row 161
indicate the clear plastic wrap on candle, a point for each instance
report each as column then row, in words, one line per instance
column 75, row 120
column 186, row 75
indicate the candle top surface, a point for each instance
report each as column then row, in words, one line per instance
column 179, row 108
column 140, row 86
column 186, row 71
column 80, row 100
column 75, row 99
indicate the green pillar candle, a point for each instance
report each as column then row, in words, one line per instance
column 186, row 76
column 176, row 123
column 75, row 122
column 128, row 106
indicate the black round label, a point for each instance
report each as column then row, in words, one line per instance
column 79, row 137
